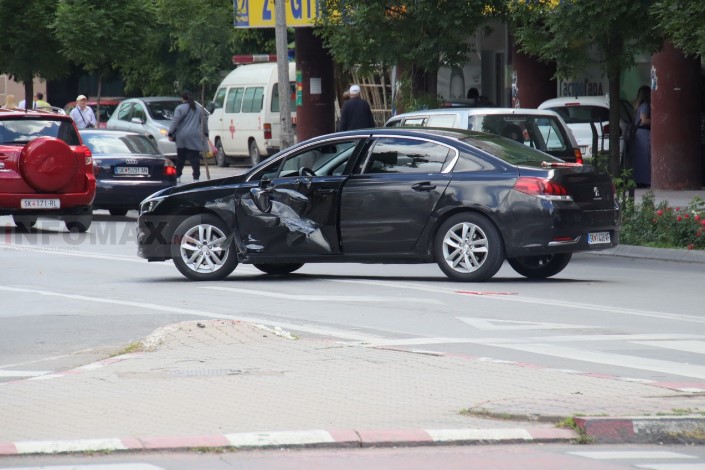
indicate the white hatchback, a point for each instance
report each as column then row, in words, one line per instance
column 577, row 112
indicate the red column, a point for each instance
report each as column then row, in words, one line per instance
column 675, row 121
column 534, row 80
column 316, row 116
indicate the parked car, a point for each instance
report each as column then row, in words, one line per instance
column 45, row 170
column 464, row 200
column 150, row 116
column 107, row 108
column 542, row 130
column 128, row 167
column 578, row 112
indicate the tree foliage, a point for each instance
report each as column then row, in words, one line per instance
column 28, row 48
column 683, row 22
column 575, row 33
column 424, row 34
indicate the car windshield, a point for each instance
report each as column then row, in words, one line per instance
column 162, row 110
column 106, row 110
column 109, row 144
column 510, row 151
column 21, row 131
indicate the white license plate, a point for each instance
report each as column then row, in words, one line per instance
column 599, row 238
column 40, row 203
column 131, row 170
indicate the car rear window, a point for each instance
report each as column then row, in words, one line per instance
column 510, row 151
column 116, row 144
column 21, row 131
column 582, row 114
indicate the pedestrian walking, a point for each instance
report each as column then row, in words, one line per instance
column 82, row 114
column 41, row 104
column 189, row 129
column 356, row 112
column 640, row 138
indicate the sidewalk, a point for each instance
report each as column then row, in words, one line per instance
column 224, row 383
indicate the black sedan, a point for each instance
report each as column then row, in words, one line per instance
column 464, row 200
column 128, row 167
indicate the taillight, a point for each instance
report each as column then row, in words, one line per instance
column 169, row 168
column 542, row 187
column 578, row 156
column 88, row 155
column 267, row 130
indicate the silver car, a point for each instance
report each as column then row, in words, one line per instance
column 150, row 116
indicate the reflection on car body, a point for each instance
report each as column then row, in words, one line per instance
column 464, row 200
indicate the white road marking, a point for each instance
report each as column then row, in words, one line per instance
column 94, row 466
column 631, row 362
column 673, row 466
column 645, row 454
column 257, row 439
column 454, row 435
column 80, row 445
column 323, row 298
column 23, row 373
column 493, row 325
column 697, row 347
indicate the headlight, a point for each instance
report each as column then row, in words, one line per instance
column 149, row 204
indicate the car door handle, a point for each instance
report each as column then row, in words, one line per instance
column 324, row 191
column 425, row 186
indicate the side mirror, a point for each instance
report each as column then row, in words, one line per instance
column 261, row 199
column 136, row 120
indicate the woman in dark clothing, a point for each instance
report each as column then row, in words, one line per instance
column 640, row 145
column 189, row 128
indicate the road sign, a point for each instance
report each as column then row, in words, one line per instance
column 260, row 13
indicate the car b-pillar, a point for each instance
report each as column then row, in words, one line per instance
column 676, row 161
column 316, row 114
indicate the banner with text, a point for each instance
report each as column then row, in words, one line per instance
column 261, row 14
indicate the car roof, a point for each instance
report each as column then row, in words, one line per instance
column 479, row 112
column 601, row 100
column 109, row 131
column 30, row 114
column 151, row 99
column 427, row 132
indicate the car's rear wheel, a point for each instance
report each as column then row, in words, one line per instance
column 540, row 267
column 220, row 158
column 118, row 212
column 203, row 249
column 468, row 247
column 24, row 223
column 278, row 268
column 79, row 223
column 255, row 156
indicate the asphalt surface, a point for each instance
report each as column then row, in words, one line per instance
column 224, row 383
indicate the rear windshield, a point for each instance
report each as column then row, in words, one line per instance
column 21, row 131
column 545, row 133
column 510, row 151
column 116, row 144
column 582, row 114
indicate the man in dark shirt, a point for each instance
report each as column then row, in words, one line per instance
column 356, row 112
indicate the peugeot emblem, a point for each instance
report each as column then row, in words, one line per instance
column 596, row 192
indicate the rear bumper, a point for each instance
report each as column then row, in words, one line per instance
column 113, row 194
column 70, row 203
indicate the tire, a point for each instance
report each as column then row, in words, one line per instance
column 118, row 212
column 278, row 268
column 255, row 156
column 220, row 158
column 80, row 223
column 202, row 249
column 24, row 223
column 48, row 164
column 540, row 267
column 468, row 247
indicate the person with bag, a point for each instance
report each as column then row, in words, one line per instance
column 83, row 114
column 188, row 129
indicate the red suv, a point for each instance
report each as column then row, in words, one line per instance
column 45, row 170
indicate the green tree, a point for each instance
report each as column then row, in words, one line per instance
column 28, row 47
column 419, row 36
column 682, row 22
column 97, row 35
column 575, row 33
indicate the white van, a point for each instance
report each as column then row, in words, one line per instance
column 244, row 119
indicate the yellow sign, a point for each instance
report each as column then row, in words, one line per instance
column 261, row 14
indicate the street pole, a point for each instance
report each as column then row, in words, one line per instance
column 286, row 137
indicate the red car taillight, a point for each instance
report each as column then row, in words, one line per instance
column 267, row 130
column 169, row 168
column 88, row 155
column 542, row 187
column 578, row 156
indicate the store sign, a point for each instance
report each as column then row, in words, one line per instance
column 584, row 87
column 261, row 13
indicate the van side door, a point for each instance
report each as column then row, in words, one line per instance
column 231, row 114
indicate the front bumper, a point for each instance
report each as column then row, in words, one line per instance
column 113, row 194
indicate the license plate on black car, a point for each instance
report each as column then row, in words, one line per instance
column 131, row 170
column 599, row 238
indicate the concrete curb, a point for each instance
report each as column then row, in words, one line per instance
column 664, row 254
column 342, row 438
column 644, row 429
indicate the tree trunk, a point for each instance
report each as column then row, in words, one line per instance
column 28, row 83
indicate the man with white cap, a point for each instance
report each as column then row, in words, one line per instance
column 356, row 112
column 82, row 114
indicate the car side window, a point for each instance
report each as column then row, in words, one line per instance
column 219, row 98
column 252, row 101
column 415, row 121
column 125, row 112
column 138, row 112
column 441, row 120
column 234, row 100
column 403, row 155
column 274, row 106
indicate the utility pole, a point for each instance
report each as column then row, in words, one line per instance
column 286, row 136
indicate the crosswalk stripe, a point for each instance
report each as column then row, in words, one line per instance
column 23, row 373
column 645, row 454
column 697, row 347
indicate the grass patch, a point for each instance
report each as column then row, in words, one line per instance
column 133, row 347
column 569, row 423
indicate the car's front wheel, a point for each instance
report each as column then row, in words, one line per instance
column 220, row 158
column 540, row 267
column 468, row 247
column 278, row 268
column 203, row 248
